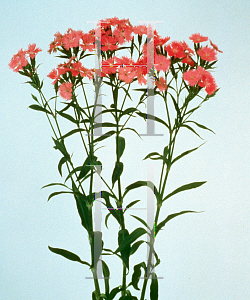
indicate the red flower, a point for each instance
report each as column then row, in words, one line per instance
column 201, row 77
column 32, row 50
column 207, row 53
column 108, row 66
column 176, row 49
column 140, row 29
column 109, row 43
column 65, row 90
column 127, row 74
column 18, row 61
column 162, row 63
column 188, row 60
column 192, row 77
column 198, row 38
column 71, row 39
column 88, row 41
column 161, row 84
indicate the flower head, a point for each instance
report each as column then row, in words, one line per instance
column 207, row 53
column 18, row 61
column 32, row 51
column 65, row 90
column 198, row 38
column 161, row 84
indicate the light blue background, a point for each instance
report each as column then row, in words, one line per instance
column 204, row 256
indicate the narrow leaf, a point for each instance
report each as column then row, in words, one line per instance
column 154, row 287
column 142, row 221
column 39, row 108
column 117, row 172
column 186, row 153
column 135, row 246
column 185, row 187
column 170, row 217
column 104, row 136
column 151, row 117
column 68, row 117
column 120, row 146
column 190, row 128
column 58, row 193
column 69, row 255
column 201, row 126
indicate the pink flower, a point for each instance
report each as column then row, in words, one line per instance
column 161, row 84
column 18, row 61
column 201, row 77
column 109, row 43
column 127, row 74
column 71, row 39
column 65, row 90
column 198, row 38
column 176, row 49
column 140, row 29
column 207, row 53
column 192, row 77
column 162, row 63
column 108, row 66
column 32, row 51
column 188, row 60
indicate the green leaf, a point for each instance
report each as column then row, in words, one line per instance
column 131, row 238
column 128, row 111
column 114, row 292
column 39, row 108
column 151, row 117
column 67, row 254
column 104, row 136
column 128, row 128
column 85, row 168
column 59, row 145
column 117, row 172
column 185, row 187
column 154, row 287
column 170, row 217
column 68, row 117
column 52, row 184
column 106, row 219
column 61, row 162
column 106, row 275
column 186, row 153
column 81, row 207
column 72, row 132
column 142, row 221
column 105, row 195
column 175, row 105
column 35, row 98
column 105, row 124
column 201, row 126
column 131, row 204
column 135, row 246
column 73, row 172
column 143, row 183
column 120, row 146
column 58, row 193
column 136, row 276
column 190, row 128
column 123, row 234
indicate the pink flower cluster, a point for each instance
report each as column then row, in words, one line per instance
column 201, row 77
column 19, row 60
column 115, row 32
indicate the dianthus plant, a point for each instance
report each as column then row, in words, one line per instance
column 170, row 71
